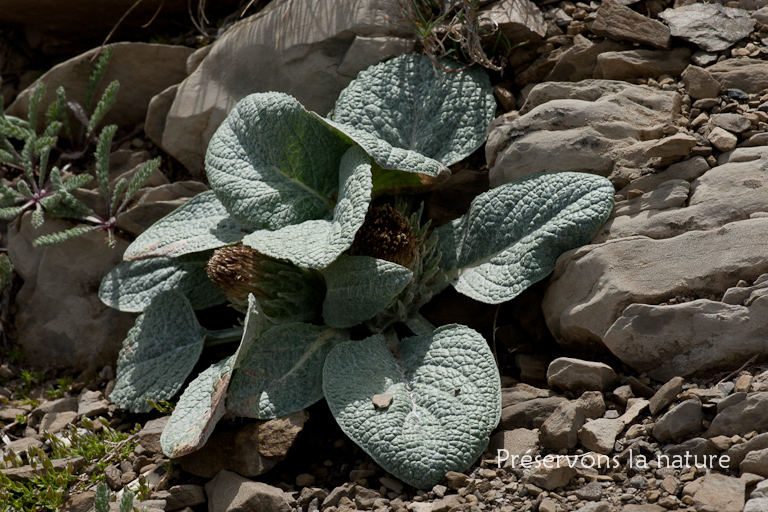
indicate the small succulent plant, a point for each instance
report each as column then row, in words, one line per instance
column 289, row 237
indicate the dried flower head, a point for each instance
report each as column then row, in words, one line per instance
column 236, row 271
column 386, row 234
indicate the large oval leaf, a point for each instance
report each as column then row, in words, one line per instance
column 512, row 235
column 359, row 287
column 446, row 400
column 273, row 164
column 412, row 104
column 200, row 224
column 131, row 285
column 198, row 410
column 388, row 156
column 316, row 243
column 158, row 353
column 282, row 371
column 201, row 405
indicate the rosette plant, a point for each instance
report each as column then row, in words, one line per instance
column 289, row 237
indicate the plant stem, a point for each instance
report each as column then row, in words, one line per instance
column 419, row 325
column 223, row 336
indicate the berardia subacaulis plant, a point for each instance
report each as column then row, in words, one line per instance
column 329, row 284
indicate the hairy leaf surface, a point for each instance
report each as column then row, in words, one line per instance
column 131, row 285
column 446, row 401
column 273, row 164
column 411, row 104
column 513, row 234
column 158, row 353
column 316, row 243
column 200, row 224
column 201, row 405
column 359, row 287
column 282, row 371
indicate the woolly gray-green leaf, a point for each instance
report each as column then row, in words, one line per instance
column 385, row 154
column 446, row 400
column 359, row 287
column 513, row 234
column 131, row 285
column 273, row 164
column 158, row 353
column 316, row 243
column 282, row 371
column 412, row 104
column 198, row 410
column 200, row 224
column 201, row 405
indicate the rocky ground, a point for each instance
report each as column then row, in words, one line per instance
column 666, row 310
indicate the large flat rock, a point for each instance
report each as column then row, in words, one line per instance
column 594, row 286
column 142, row 69
column 591, row 126
column 310, row 50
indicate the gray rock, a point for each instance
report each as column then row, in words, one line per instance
column 687, row 170
column 756, row 505
column 142, row 69
column 695, row 447
column 734, row 123
column 530, row 414
column 21, row 445
column 746, row 416
column 612, row 123
column 634, row 407
column 68, row 403
column 717, row 493
column 249, row 450
column 715, row 199
column 677, row 145
column 561, row 429
column 180, row 496
column 92, row 403
column 517, row 442
column 737, row 452
column 730, row 400
column 578, row 62
column 749, row 75
column 593, row 491
column 722, row 139
column 760, row 15
column 559, row 474
column 157, row 112
column 61, row 321
column 600, row 435
column 712, row 27
column 666, row 394
column 699, row 83
column 53, row 422
column 230, row 492
column 293, row 47
column 670, row 194
column 149, row 435
column 756, row 462
column 621, row 23
column 602, row 506
column 518, row 20
column 575, row 375
column 726, row 332
column 760, row 490
column 522, row 392
column 641, row 63
column 681, row 421
column 704, row 261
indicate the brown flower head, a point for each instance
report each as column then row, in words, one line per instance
column 386, row 234
column 236, row 271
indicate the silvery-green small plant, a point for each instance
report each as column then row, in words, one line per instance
column 309, row 233
column 43, row 190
